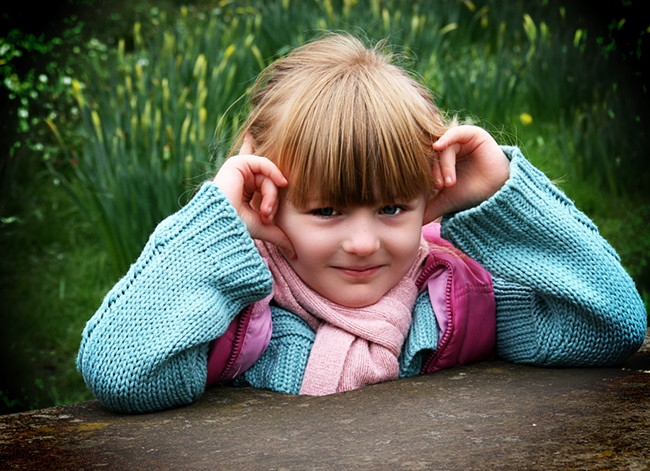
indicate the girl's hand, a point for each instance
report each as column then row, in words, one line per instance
column 251, row 184
column 471, row 167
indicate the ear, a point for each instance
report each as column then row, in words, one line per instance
column 248, row 146
column 434, row 208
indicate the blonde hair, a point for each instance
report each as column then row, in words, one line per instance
column 345, row 125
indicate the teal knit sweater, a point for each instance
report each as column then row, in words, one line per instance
column 563, row 299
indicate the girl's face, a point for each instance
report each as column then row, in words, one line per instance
column 353, row 256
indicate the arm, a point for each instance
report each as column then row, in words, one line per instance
column 146, row 347
column 562, row 296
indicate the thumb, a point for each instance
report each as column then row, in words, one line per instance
column 276, row 236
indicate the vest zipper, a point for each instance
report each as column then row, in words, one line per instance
column 429, row 268
column 237, row 342
column 433, row 357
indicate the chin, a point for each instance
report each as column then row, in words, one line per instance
column 357, row 301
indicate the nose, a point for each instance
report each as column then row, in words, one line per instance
column 362, row 238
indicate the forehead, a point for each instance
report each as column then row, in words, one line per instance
column 349, row 185
column 317, row 202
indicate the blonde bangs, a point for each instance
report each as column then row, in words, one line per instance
column 354, row 142
column 345, row 126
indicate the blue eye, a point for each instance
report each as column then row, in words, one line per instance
column 324, row 212
column 391, row 210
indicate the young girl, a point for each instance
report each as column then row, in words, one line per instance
column 310, row 264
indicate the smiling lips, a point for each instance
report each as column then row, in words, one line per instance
column 359, row 272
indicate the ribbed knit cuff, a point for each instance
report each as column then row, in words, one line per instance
column 208, row 229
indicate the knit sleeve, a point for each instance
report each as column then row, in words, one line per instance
column 562, row 296
column 146, row 347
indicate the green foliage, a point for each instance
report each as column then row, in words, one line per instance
column 53, row 273
column 35, row 73
column 148, row 116
column 594, row 101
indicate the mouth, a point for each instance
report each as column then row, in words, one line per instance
column 359, row 272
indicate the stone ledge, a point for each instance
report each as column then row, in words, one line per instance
column 491, row 415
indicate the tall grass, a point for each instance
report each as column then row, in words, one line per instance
column 600, row 122
column 149, row 120
column 152, row 110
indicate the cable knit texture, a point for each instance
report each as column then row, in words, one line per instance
column 562, row 297
column 146, row 347
column 281, row 367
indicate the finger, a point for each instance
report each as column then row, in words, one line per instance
column 256, row 202
column 454, row 135
column 248, row 147
column 263, row 166
column 269, row 198
column 258, row 228
column 280, row 240
column 447, row 162
column 436, row 173
column 437, row 205
column 276, row 236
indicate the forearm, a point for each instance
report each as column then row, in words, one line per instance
column 562, row 295
column 146, row 347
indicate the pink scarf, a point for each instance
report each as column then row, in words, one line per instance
column 354, row 347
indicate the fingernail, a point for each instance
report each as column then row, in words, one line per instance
column 448, row 180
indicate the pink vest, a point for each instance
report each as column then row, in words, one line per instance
column 461, row 295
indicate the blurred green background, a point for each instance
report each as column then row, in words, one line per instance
column 114, row 112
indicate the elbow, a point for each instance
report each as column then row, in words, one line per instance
column 628, row 321
column 116, row 390
column 130, row 390
column 637, row 331
column 600, row 341
column 139, row 398
column 624, row 334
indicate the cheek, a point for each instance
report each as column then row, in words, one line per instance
column 313, row 249
column 409, row 250
column 299, row 235
column 309, row 243
column 406, row 246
